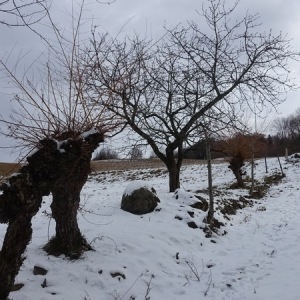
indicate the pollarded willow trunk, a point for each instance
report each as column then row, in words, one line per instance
column 20, row 201
column 11, row 255
column 236, row 163
column 239, row 178
column 73, row 166
column 58, row 167
column 68, row 239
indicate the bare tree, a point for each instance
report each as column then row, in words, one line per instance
column 286, row 134
column 211, row 210
column 163, row 91
column 14, row 13
column 288, row 127
column 52, row 116
column 136, row 152
column 53, row 106
column 21, row 198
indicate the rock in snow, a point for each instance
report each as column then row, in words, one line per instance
column 138, row 198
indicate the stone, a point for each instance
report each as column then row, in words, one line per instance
column 39, row 271
column 202, row 204
column 139, row 198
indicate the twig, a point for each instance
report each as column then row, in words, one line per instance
column 209, row 281
column 101, row 239
column 140, row 276
column 282, row 173
column 193, row 268
column 147, row 297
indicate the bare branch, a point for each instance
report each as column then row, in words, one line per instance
column 19, row 13
column 55, row 103
column 192, row 80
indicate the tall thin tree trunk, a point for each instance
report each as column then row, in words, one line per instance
column 252, row 174
column 210, row 213
column 174, row 166
column 282, row 173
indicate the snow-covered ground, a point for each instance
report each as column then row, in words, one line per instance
column 158, row 256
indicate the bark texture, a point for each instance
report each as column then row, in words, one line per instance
column 73, row 166
column 173, row 165
column 174, row 177
column 211, row 210
column 20, row 200
column 235, row 164
column 58, row 167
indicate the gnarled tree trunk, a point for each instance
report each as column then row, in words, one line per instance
column 58, row 167
column 11, row 255
column 73, row 167
column 68, row 239
column 235, row 164
column 20, row 201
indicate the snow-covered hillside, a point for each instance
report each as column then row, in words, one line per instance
column 158, row 256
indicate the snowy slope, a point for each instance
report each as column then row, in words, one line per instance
column 157, row 256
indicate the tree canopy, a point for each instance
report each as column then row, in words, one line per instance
column 168, row 91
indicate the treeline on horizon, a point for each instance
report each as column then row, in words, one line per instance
column 285, row 140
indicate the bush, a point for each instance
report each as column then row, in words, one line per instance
column 136, row 153
column 106, row 153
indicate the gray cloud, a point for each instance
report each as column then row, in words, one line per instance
column 146, row 18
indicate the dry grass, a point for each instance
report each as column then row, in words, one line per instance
column 128, row 164
column 7, row 169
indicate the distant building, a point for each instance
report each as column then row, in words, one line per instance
column 196, row 151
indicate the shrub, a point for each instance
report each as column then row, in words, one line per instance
column 136, row 153
column 106, row 153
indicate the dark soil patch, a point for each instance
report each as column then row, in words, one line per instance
column 273, row 179
column 214, row 227
column 202, row 204
column 259, row 191
column 230, row 206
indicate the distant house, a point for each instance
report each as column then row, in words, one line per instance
column 196, row 151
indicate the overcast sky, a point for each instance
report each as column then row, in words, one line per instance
column 147, row 17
